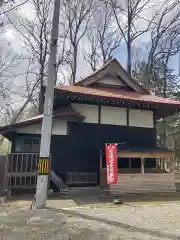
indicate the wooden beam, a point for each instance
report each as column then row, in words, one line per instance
column 145, row 154
column 142, row 165
column 101, row 159
column 99, row 114
column 154, row 118
column 172, row 164
column 127, row 116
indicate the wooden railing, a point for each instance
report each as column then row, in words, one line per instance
column 22, row 170
column 22, row 173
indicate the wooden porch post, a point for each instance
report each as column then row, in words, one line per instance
column 142, row 165
column 101, row 172
column 129, row 163
column 172, row 164
column 100, row 159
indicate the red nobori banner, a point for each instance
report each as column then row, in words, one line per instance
column 111, row 163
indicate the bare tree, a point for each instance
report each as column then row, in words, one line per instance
column 7, row 6
column 102, row 36
column 164, row 34
column 127, row 13
column 154, row 73
column 8, row 62
column 35, row 35
column 76, row 14
column 14, row 104
column 163, row 80
column 92, row 54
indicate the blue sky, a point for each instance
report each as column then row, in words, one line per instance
column 121, row 56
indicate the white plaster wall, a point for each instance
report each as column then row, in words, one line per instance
column 113, row 115
column 59, row 127
column 141, row 118
column 111, row 81
column 90, row 112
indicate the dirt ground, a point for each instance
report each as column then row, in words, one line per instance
column 90, row 219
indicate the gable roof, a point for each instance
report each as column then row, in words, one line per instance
column 84, row 89
column 115, row 68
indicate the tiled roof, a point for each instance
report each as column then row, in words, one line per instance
column 63, row 112
column 116, row 94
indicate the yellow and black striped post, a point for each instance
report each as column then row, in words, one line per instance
column 43, row 166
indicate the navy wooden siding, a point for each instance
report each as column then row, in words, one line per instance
column 79, row 151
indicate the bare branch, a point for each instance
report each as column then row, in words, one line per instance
column 102, row 36
column 12, row 8
column 128, row 27
column 77, row 16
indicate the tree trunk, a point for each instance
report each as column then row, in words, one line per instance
column 128, row 42
column 129, row 59
column 74, row 69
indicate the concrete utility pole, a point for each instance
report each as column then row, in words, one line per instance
column 44, row 161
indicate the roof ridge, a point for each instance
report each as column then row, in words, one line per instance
column 95, row 72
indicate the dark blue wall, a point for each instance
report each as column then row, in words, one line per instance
column 80, row 150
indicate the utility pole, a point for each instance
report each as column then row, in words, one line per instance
column 44, row 161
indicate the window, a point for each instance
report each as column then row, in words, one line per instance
column 123, row 162
column 150, row 163
column 27, row 144
column 135, row 163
